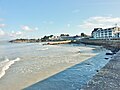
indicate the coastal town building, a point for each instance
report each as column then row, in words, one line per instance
column 54, row 38
column 108, row 33
column 117, row 35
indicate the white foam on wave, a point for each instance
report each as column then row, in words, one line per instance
column 4, row 65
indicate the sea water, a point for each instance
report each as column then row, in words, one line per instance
column 22, row 64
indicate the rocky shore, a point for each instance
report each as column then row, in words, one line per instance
column 108, row 78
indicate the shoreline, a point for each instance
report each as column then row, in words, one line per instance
column 48, row 81
column 50, row 71
column 51, row 68
column 60, row 67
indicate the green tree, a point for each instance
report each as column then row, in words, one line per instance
column 83, row 35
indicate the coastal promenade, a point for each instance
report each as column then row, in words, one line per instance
column 108, row 78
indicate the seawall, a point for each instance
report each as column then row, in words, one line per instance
column 108, row 78
column 113, row 45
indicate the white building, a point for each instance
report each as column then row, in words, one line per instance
column 54, row 38
column 117, row 35
column 108, row 33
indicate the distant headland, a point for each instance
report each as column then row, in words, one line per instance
column 51, row 38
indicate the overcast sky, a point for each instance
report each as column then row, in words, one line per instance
column 36, row 18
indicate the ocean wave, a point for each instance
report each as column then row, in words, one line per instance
column 5, row 65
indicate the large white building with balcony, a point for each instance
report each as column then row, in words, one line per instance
column 108, row 33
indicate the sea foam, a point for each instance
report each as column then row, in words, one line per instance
column 5, row 65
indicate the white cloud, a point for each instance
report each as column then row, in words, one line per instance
column 2, row 33
column 101, row 19
column 2, row 25
column 99, row 22
column 28, row 28
column 15, row 34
